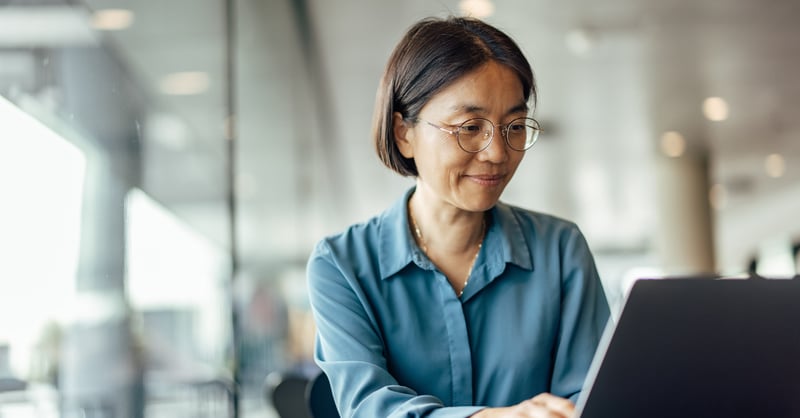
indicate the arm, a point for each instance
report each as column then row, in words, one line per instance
column 584, row 313
column 350, row 348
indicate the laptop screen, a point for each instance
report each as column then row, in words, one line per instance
column 700, row 348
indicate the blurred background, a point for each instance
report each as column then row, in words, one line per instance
column 167, row 166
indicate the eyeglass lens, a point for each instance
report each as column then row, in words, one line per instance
column 475, row 134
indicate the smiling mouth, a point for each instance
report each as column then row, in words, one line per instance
column 488, row 180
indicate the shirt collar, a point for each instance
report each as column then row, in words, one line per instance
column 506, row 234
column 396, row 245
column 397, row 248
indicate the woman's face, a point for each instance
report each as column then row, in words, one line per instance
column 467, row 181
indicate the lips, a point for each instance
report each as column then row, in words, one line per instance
column 487, row 179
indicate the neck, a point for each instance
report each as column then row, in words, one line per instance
column 454, row 233
column 456, row 245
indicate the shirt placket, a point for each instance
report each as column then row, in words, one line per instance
column 458, row 343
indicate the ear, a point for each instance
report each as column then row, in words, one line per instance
column 403, row 135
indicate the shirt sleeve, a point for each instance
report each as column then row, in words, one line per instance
column 349, row 348
column 584, row 313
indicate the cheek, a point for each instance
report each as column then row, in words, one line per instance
column 512, row 166
column 442, row 168
column 516, row 159
column 438, row 157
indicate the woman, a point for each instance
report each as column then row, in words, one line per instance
column 451, row 303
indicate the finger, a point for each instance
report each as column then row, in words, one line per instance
column 538, row 410
column 554, row 403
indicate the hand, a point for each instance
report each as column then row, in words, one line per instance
column 543, row 405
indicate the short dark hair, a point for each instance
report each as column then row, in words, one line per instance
column 434, row 53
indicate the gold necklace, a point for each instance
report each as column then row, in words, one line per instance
column 424, row 245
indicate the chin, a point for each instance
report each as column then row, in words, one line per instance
column 483, row 205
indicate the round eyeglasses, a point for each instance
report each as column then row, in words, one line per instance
column 475, row 135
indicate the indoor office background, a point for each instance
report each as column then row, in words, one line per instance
column 166, row 167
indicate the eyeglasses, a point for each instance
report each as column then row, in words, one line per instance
column 475, row 135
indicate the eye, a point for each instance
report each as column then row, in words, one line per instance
column 516, row 127
column 476, row 129
column 471, row 128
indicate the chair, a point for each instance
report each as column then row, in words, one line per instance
column 320, row 399
column 287, row 394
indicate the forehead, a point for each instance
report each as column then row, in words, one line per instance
column 490, row 89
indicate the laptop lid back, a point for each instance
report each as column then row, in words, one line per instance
column 700, row 348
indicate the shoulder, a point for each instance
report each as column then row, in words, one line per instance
column 539, row 224
column 557, row 245
column 354, row 260
column 334, row 263
column 543, row 234
column 373, row 247
column 359, row 236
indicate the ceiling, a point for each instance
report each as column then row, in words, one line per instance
column 613, row 76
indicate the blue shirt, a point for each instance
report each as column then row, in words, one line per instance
column 396, row 340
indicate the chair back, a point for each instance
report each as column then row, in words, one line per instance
column 287, row 394
column 320, row 398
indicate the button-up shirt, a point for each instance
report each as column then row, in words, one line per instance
column 396, row 340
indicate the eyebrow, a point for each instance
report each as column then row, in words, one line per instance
column 471, row 108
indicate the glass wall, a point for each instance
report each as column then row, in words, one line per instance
column 115, row 279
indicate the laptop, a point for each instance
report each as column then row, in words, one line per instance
column 699, row 348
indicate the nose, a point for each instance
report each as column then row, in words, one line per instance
column 497, row 151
